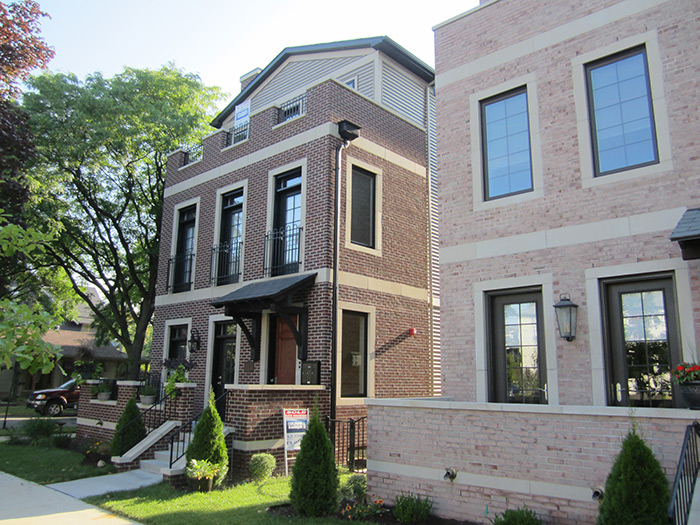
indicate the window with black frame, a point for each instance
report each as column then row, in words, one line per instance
column 227, row 254
column 353, row 365
column 177, row 342
column 182, row 263
column 283, row 242
column 621, row 112
column 362, row 207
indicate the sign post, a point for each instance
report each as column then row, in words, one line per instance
column 296, row 421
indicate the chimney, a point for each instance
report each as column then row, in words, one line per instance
column 249, row 77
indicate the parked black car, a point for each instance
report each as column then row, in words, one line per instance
column 52, row 401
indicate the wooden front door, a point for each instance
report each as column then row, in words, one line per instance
column 285, row 353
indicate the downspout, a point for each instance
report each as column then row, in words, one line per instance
column 336, row 250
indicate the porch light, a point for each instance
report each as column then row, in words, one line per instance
column 195, row 340
column 566, row 317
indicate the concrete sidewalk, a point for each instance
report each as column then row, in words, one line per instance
column 25, row 502
column 98, row 485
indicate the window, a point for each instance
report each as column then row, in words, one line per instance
column 226, row 261
column 292, row 108
column 282, row 244
column 353, row 366
column 623, row 132
column 362, row 220
column 182, row 263
column 517, row 356
column 641, row 342
column 505, row 134
column 177, row 342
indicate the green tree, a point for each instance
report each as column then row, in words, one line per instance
column 208, row 440
column 125, row 435
column 102, row 147
column 314, row 483
column 636, row 490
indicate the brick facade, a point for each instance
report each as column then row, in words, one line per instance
column 572, row 233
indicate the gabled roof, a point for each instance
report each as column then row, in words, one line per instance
column 381, row 43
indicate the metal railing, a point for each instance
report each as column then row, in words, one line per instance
column 180, row 272
column 686, row 475
column 181, row 439
column 349, row 439
column 291, row 108
column 236, row 135
column 193, row 154
column 282, row 251
column 226, row 263
column 153, row 417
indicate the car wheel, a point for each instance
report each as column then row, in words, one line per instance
column 53, row 408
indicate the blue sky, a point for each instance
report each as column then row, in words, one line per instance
column 224, row 39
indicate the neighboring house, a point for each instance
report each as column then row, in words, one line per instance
column 568, row 164
column 246, row 279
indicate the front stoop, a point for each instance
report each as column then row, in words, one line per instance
column 161, row 464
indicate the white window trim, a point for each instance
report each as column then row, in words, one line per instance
column 166, row 341
column 658, row 99
column 271, row 201
column 378, row 199
column 481, row 305
column 176, row 215
column 530, row 83
column 217, row 218
column 213, row 319
column 596, row 338
column 371, row 312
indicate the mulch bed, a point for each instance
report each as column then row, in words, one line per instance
column 286, row 511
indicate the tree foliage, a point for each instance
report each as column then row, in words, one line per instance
column 636, row 490
column 314, row 482
column 102, row 147
column 208, row 441
column 21, row 47
column 126, row 436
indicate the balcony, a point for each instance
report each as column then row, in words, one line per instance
column 180, row 272
column 193, row 155
column 292, row 108
column 236, row 135
column 282, row 254
column 226, row 263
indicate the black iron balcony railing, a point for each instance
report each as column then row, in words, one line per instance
column 193, row 155
column 180, row 272
column 686, row 476
column 226, row 263
column 282, row 254
column 291, row 108
column 236, row 135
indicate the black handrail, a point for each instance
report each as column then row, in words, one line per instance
column 349, row 439
column 686, row 474
column 153, row 417
column 181, row 439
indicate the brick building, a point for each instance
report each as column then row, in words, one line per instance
column 568, row 164
column 248, row 251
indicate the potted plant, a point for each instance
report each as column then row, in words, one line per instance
column 148, row 393
column 203, row 473
column 104, row 391
column 687, row 375
column 94, row 390
column 179, row 375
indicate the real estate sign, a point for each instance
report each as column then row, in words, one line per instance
column 296, row 421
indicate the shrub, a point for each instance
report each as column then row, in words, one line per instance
column 35, row 431
column 208, row 440
column 521, row 516
column 125, row 436
column 261, row 466
column 202, row 469
column 314, row 481
column 636, row 490
column 148, row 390
column 355, row 488
column 410, row 508
column 359, row 510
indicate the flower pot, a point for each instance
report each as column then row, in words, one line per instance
column 103, row 396
column 147, row 400
column 205, row 484
column 691, row 394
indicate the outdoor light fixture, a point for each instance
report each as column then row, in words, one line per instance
column 195, row 340
column 566, row 317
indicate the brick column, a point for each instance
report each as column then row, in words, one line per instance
column 125, row 391
column 182, row 405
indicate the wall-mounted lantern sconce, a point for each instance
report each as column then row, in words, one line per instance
column 412, row 331
column 566, row 317
column 195, row 340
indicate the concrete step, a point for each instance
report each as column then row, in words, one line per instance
column 153, row 466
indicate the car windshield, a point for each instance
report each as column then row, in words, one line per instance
column 67, row 385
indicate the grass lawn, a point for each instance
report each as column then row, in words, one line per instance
column 46, row 465
column 246, row 503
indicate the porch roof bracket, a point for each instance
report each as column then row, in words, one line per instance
column 253, row 338
column 298, row 333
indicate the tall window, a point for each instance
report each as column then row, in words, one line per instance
column 227, row 255
column 353, row 367
column 362, row 219
column 182, row 264
column 505, row 132
column 621, row 112
column 177, row 342
column 641, row 341
column 517, row 357
column 283, row 242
